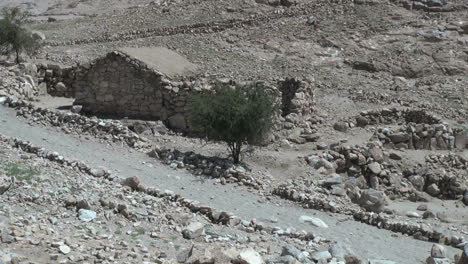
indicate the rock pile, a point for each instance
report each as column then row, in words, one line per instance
column 20, row 81
column 395, row 116
column 215, row 167
column 136, row 208
column 74, row 123
column 423, row 136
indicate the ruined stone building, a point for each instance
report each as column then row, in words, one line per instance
column 154, row 84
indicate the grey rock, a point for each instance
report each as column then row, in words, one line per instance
column 362, row 121
column 311, row 20
column 375, row 168
column 433, row 189
column 377, row 154
column 250, row 256
column 193, row 230
column 317, row 256
column 341, row 126
column 333, row 179
column 464, row 255
column 86, row 215
column 64, row 249
column 313, row 220
column 399, row 137
column 395, row 156
column 422, row 207
column 431, row 260
column 60, row 87
column 290, row 250
column 132, row 182
column 184, row 255
column 438, row 3
column 417, row 181
column 412, row 214
column 6, row 238
column 372, row 200
column 76, row 108
column 380, row 261
column 438, row 251
column 428, row 215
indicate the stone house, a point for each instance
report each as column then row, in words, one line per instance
column 155, row 84
column 134, row 83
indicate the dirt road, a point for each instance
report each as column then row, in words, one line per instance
column 364, row 240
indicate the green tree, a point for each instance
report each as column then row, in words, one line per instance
column 14, row 38
column 236, row 115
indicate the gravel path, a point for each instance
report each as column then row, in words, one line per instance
column 364, row 240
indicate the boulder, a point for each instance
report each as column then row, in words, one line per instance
column 341, row 126
column 86, row 215
column 399, row 137
column 132, row 182
column 250, row 256
column 438, row 251
column 464, row 255
column 372, row 200
column 375, row 168
column 313, row 220
column 193, row 230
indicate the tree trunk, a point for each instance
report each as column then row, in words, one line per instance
column 17, row 56
column 235, row 148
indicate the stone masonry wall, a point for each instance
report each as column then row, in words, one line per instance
column 119, row 85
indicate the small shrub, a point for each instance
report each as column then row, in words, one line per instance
column 14, row 38
column 235, row 115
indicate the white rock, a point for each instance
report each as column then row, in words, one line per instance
column 86, row 215
column 64, row 249
column 250, row 256
column 313, row 220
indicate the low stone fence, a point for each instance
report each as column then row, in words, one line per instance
column 395, row 116
column 214, row 167
column 75, row 123
column 424, row 136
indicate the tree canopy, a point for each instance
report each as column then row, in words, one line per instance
column 235, row 115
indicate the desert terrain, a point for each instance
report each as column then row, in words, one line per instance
column 375, row 172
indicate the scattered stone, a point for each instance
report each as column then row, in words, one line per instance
column 184, row 255
column 76, row 109
column 341, row 126
column 193, row 230
column 372, row 200
column 422, row 207
column 412, row 214
column 64, row 249
column 375, row 168
column 379, row 261
column 325, row 255
column 86, row 215
column 438, row 251
column 250, row 256
column 313, row 220
column 132, row 182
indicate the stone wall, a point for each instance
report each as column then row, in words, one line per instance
column 424, row 136
column 58, row 80
column 119, row 85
